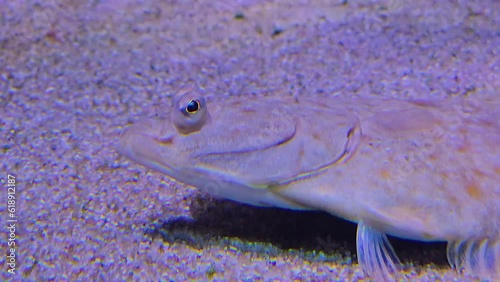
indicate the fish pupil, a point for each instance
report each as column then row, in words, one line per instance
column 192, row 106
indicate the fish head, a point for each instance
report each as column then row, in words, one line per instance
column 234, row 143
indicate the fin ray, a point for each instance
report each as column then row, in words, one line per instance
column 477, row 257
column 376, row 256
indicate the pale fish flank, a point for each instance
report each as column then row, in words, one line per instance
column 414, row 169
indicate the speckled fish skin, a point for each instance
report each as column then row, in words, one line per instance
column 424, row 170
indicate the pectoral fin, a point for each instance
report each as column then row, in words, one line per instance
column 376, row 257
column 477, row 257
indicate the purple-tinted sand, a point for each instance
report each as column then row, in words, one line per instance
column 74, row 74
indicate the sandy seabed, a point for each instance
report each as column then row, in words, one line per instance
column 74, row 74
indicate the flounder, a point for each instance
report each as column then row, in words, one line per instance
column 416, row 169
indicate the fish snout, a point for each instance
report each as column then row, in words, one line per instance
column 139, row 140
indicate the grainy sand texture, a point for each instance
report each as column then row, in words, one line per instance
column 75, row 74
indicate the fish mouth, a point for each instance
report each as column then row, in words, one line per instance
column 139, row 143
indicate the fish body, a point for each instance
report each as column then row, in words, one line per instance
column 416, row 169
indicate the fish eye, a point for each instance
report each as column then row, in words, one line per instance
column 193, row 106
column 189, row 114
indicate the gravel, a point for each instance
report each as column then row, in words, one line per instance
column 74, row 74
